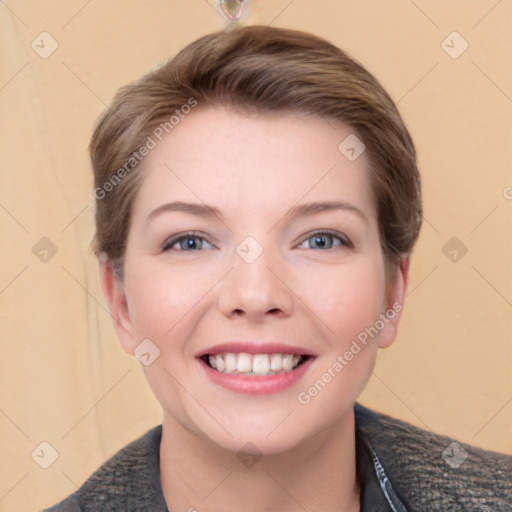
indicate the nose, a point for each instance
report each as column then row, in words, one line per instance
column 256, row 291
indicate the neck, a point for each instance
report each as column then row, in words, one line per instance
column 317, row 476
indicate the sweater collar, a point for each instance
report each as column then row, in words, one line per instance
column 377, row 493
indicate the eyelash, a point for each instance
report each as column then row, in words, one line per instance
column 335, row 234
column 167, row 245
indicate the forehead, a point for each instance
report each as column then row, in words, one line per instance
column 247, row 163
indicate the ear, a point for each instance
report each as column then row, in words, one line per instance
column 114, row 291
column 392, row 312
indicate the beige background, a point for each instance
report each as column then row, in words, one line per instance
column 63, row 377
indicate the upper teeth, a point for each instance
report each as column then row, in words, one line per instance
column 253, row 364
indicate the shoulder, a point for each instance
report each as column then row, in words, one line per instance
column 127, row 481
column 431, row 471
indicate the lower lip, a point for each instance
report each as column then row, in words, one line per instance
column 256, row 385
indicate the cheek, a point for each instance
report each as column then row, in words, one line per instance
column 166, row 307
column 163, row 297
column 348, row 300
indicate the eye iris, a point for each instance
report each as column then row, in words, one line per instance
column 190, row 243
column 321, row 241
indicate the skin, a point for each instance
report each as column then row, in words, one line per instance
column 253, row 169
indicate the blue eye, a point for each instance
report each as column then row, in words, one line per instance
column 189, row 242
column 186, row 242
column 324, row 240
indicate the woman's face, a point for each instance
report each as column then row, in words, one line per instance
column 254, row 248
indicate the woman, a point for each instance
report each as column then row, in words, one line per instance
column 257, row 203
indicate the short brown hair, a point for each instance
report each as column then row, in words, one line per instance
column 261, row 69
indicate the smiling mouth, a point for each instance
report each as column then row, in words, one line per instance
column 254, row 365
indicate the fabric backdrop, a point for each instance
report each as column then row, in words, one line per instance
column 64, row 380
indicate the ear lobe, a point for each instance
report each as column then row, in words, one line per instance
column 114, row 291
column 395, row 296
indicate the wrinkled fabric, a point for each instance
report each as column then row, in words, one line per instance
column 400, row 468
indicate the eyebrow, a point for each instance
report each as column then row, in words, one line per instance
column 312, row 208
column 201, row 210
column 301, row 210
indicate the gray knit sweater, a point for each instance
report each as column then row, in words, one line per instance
column 425, row 472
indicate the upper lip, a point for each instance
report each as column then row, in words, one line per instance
column 255, row 348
